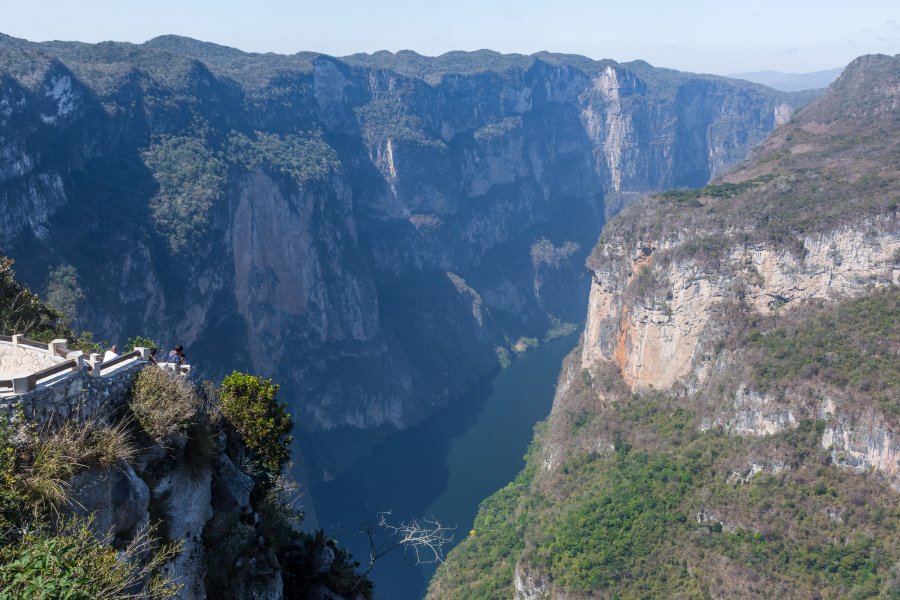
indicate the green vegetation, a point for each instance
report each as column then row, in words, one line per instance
column 836, row 163
column 250, row 409
column 606, row 532
column 13, row 508
column 484, row 564
column 640, row 503
column 302, row 156
column 45, row 553
column 524, row 344
column 50, row 458
column 691, row 197
column 191, row 180
column 498, row 130
column 433, row 69
column 628, row 522
column 86, row 343
column 21, row 311
column 559, row 329
column 502, row 357
column 250, row 405
column 853, row 345
column 386, row 118
column 71, row 563
column 140, row 341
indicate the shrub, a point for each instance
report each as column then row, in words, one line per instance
column 73, row 564
column 163, row 404
column 87, row 344
column 852, row 344
column 249, row 403
column 12, row 503
column 141, row 341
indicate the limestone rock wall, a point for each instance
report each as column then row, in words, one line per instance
column 666, row 334
column 655, row 339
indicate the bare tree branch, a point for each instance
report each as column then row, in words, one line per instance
column 426, row 538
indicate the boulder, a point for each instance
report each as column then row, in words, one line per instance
column 231, row 487
column 117, row 498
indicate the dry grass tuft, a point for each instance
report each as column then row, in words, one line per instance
column 163, row 404
column 53, row 457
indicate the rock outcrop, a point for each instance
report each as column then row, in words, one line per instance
column 655, row 340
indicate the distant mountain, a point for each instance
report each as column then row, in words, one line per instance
column 792, row 82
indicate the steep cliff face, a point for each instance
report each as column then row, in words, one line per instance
column 733, row 404
column 661, row 294
column 655, row 340
column 306, row 210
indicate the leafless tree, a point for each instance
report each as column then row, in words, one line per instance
column 426, row 538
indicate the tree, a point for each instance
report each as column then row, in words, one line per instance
column 426, row 538
column 251, row 405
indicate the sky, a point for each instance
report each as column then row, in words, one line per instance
column 708, row 36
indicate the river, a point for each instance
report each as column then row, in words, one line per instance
column 443, row 467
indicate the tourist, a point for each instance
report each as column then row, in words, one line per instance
column 176, row 356
column 153, row 356
column 111, row 354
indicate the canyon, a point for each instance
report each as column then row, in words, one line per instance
column 374, row 232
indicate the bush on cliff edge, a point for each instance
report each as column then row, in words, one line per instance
column 250, row 405
column 163, row 404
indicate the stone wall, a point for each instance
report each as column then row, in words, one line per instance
column 76, row 397
column 17, row 360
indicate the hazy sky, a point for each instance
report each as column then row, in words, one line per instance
column 718, row 36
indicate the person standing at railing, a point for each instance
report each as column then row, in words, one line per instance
column 176, row 356
column 111, row 354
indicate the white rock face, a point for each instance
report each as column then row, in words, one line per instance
column 61, row 91
column 531, row 586
column 187, row 498
column 655, row 343
column 866, row 445
column 614, row 125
